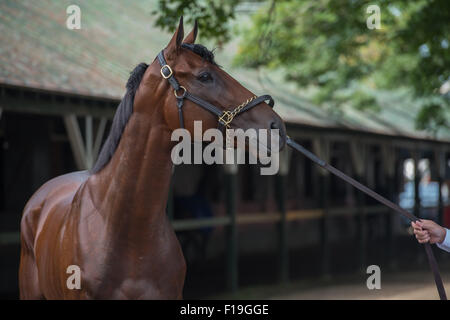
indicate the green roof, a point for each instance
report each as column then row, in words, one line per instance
column 37, row 50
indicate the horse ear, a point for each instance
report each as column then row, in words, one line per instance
column 192, row 35
column 175, row 43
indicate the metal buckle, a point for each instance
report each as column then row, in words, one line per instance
column 183, row 95
column 226, row 118
column 170, row 70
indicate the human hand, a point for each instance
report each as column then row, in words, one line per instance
column 428, row 231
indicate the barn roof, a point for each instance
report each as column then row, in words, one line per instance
column 38, row 51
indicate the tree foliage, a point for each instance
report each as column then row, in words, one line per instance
column 213, row 17
column 326, row 45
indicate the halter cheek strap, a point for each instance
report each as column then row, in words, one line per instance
column 225, row 117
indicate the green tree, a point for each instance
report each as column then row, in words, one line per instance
column 213, row 16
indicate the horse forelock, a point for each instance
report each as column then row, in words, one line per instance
column 202, row 51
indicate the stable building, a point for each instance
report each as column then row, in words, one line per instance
column 59, row 89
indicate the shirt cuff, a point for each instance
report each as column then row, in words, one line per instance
column 445, row 245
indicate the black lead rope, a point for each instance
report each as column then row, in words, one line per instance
column 431, row 259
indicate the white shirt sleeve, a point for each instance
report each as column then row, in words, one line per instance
column 445, row 245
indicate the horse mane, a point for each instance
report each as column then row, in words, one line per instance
column 121, row 117
column 125, row 108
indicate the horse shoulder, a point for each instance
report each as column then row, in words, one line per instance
column 43, row 223
column 49, row 196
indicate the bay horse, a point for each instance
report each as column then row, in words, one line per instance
column 111, row 221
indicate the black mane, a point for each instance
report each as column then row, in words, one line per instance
column 123, row 113
column 202, row 51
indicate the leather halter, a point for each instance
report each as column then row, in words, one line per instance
column 225, row 117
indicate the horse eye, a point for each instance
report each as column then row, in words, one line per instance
column 205, row 77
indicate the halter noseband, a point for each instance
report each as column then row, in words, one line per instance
column 224, row 117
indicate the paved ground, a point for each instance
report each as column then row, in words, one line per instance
column 416, row 284
column 407, row 286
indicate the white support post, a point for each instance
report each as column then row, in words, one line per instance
column 89, row 141
column 76, row 141
column 99, row 137
column 85, row 152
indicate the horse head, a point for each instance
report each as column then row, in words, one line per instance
column 206, row 92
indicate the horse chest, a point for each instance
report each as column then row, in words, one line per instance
column 126, row 274
column 139, row 282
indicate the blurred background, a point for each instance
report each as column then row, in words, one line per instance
column 374, row 102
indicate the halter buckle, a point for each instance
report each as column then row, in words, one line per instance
column 226, row 118
column 170, row 71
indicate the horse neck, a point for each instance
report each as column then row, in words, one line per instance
column 131, row 191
